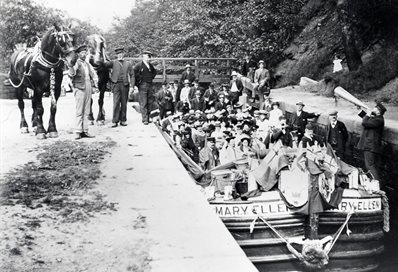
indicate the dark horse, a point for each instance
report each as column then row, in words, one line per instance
column 41, row 70
column 97, row 57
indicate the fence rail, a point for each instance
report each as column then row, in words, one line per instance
column 206, row 70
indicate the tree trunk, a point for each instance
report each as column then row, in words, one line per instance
column 352, row 53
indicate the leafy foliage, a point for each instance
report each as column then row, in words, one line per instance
column 208, row 28
column 24, row 21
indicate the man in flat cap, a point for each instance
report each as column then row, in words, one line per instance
column 83, row 74
column 208, row 155
column 187, row 74
column 261, row 80
column 121, row 77
column 299, row 119
column 372, row 134
column 144, row 75
column 336, row 134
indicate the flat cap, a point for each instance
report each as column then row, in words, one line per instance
column 147, row 52
column 333, row 112
column 381, row 107
column 119, row 50
column 81, row 48
column 300, row 103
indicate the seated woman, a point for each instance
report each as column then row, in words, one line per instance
column 244, row 150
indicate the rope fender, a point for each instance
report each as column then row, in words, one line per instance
column 314, row 255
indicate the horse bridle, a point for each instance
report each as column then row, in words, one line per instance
column 57, row 35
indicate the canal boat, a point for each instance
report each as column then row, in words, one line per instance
column 278, row 231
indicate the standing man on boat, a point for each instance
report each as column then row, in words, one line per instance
column 336, row 134
column 370, row 141
column 121, row 77
column 144, row 75
column 208, row 155
column 82, row 75
column 300, row 118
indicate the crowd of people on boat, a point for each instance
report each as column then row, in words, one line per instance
column 215, row 126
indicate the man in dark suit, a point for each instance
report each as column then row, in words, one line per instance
column 282, row 132
column 164, row 100
column 210, row 96
column 336, row 134
column 121, row 77
column 235, row 88
column 198, row 103
column 248, row 67
column 370, row 141
column 187, row 74
column 299, row 119
column 144, row 75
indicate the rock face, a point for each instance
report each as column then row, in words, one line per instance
column 367, row 49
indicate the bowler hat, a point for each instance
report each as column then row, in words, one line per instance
column 186, row 81
column 188, row 66
column 261, row 61
column 381, row 107
column 81, row 48
column 119, row 50
column 234, row 73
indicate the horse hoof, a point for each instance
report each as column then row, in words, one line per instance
column 24, row 130
column 41, row 136
column 53, row 134
column 91, row 123
column 34, row 129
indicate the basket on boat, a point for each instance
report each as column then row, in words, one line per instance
column 241, row 164
column 222, row 178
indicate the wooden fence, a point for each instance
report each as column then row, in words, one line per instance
column 206, row 70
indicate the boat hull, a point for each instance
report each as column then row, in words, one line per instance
column 357, row 252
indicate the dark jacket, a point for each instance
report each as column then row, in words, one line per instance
column 239, row 85
column 299, row 122
column 198, row 104
column 124, row 68
column 143, row 74
column 246, row 66
column 191, row 77
column 286, row 138
column 338, row 142
column 212, row 97
column 372, row 134
column 165, row 100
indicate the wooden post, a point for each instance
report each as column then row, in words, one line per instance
column 313, row 218
column 197, row 69
column 164, row 70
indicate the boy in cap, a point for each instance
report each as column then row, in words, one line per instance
column 144, row 75
column 82, row 74
column 336, row 134
column 299, row 119
column 121, row 77
column 372, row 134
column 187, row 75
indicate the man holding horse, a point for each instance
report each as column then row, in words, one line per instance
column 122, row 76
column 83, row 76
